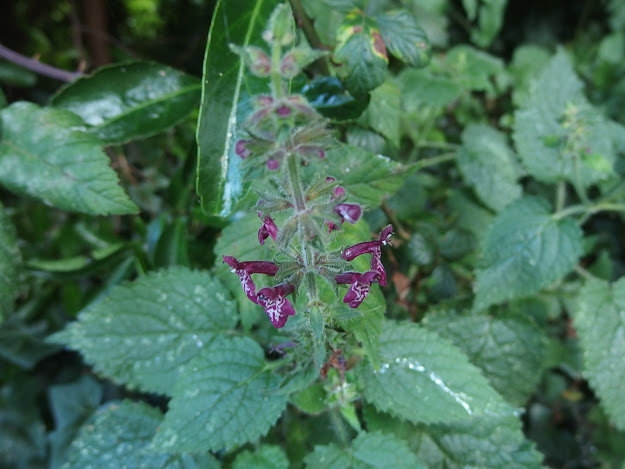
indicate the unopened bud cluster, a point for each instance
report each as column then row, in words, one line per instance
column 283, row 132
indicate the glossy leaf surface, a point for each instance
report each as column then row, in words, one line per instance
column 132, row 100
column 424, row 378
column 49, row 154
column 524, row 250
column 226, row 90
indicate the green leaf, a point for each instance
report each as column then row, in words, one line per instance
column 424, row 378
column 367, row 178
column 524, row 250
column 142, row 332
column 422, row 88
column 367, row 325
column 71, row 405
column 361, row 50
column 404, row 38
column 473, row 69
column 384, row 111
column 510, row 350
column 223, row 398
column 600, row 323
column 487, row 163
column 131, row 100
column 265, row 457
column 10, row 265
column 48, row 154
column 118, row 435
column 368, row 450
column 557, row 128
column 485, row 442
column 490, row 20
column 331, row 99
column 226, row 91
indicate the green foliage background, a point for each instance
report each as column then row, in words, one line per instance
column 490, row 135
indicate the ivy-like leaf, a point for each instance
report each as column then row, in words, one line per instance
column 368, row 450
column 226, row 89
column 424, row 378
column 10, row 265
column 48, row 154
column 510, row 350
column 118, row 435
column 488, row 164
column 131, row 100
column 141, row 333
column 600, row 323
column 361, row 50
column 524, row 250
column 404, row 38
column 224, row 397
column 266, row 457
column 367, row 178
column 558, row 134
column 487, row 442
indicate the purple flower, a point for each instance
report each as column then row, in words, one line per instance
column 373, row 248
column 269, row 228
column 338, row 192
column 241, row 149
column 245, row 270
column 272, row 164
column 360, row 285
column 348, row 212
column 277, row 307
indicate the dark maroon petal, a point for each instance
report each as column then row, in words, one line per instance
column 332, row 226
column 349, row 212
column 385, row 235
column 338, row 192
column 377, row 266
column 277, row 307
column 359, row 290
column 272, row 164
column 248, row 285
column 347, row 277
column 259, row 267
column 269, row 228
column 231, row 261
column 241, row 149
column 368, row 247
column 283, row 111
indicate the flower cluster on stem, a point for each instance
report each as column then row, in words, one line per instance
column 283, row 132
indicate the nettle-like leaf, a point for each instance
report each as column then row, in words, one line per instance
column 227, row 87
column 119, row 434
column 510, row 350
column 487, row 442
column 141, row 333
column 224, row 397
column 368, row 450
column 424, row 378
column 49, row 154
column 404, row 38
column 366, row 177
column 473, row 69
column 131, row 100
column 600, row 323
column 265, row 457
column 558, row 134
column 487, row 163
column 524, row 250
column 10, row 265
column 362, row 52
